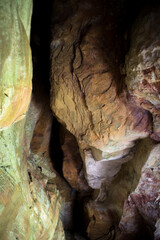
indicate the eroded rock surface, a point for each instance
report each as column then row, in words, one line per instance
column 112, row 124
column 40, row 165
column 27, row 209
column 143, row 65
column 15, row 61
column 110, row 200
column 141, row 210
column 86, row 84
column 73, row 170
column 90, row 98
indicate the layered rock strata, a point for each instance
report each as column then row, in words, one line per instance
column 143, row 65
column 27, row 209
column 90, row 98
column 15, row 60
column 39, row 160
column 86, row 87
column 141, row 213
column 73, row 170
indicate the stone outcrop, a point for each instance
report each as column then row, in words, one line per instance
column 109, row 204
column 141, row 211
column 27, row 209
column 105, row 69
column 87, row 93
column 73, row 170
column 15, row 60
column 108, row 101
column 143, row 65
column 38, row 132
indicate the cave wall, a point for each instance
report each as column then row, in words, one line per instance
column 87, row 92
column 104, row 91
column 27, row 209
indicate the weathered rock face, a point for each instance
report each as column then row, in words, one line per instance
column 86, row 86
column 109, row 203
column 107, row 117
column 112, row 120
column 102, row 220
column 142, row 210
column 73, row 170
column 27, row 209
column 16, row 76
column 143, row 65
column 39, row 160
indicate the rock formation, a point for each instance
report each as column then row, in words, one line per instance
column 94, row 174
column 143, row 65
column 73, row 170
column 86, row 93
column 141, row 211
column 16, row 75
column 89, row 97
column 27, row 209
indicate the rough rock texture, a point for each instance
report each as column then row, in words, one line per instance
column 108, row 118
column 110, row 200
column 27, row 210
column 101, row 220
column 42, row 132
column 142, row 209
column 111, row 115
column 143, row 65
column 86, row 86
column 16, row 76
column 39, row 160
column 73, row 170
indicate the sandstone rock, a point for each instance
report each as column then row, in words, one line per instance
column 73, row 170
column 39, row 158
column 31, row 120
column 15, row 60
column 89, row 98
column 37, row 135
column 101, row 221
column 42, row 132
column 100, row 173
column 67, row 203
column 27, row 209
column 142, row 207
column 112, row 195
column 143, row 65
column 86, row 85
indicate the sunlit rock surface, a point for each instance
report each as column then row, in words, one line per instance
column 15, row 60
column 28, row 210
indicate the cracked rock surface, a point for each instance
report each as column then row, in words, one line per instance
column 107, row 96
column 87, row 88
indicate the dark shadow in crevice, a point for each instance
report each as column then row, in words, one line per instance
column 55, row 147
column 80, row 220
column 40, row 45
